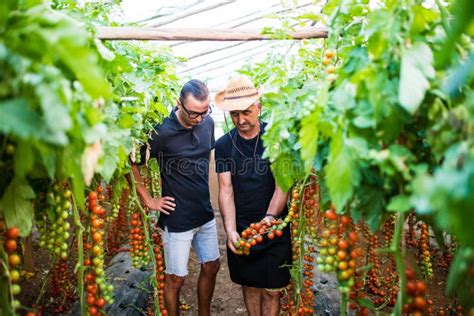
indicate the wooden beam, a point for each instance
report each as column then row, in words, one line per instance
column 198, row 34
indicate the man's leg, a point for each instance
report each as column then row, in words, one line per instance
column 206, row 285
column 173, row 284
column 176, row 250
column 271, row 302
column 207, row 250
column 253, row 300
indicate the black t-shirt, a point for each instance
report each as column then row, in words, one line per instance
column 252, row 180
column 183, row 156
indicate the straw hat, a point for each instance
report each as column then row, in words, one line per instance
column 239, row 94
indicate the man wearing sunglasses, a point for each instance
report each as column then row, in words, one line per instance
column 182, row 143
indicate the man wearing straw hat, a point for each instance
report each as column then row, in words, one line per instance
column 182, row 144
column 248, row 194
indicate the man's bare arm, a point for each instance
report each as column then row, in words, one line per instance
column 227, row 209
column 163, row 204
column 278, row 202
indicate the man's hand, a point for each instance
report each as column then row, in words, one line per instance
column 163, row 204
column 268, row 219
column 232, row 238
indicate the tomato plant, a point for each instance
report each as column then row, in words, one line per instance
column 383, row 113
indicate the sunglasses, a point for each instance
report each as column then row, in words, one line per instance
column 194, row 115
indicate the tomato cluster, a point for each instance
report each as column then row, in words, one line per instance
column 160, row 270
column 98, row 291
column 329, row 55
column 60, row 284
column 410, row 235
column 381, row 282
column 310, row 205
column 94, row 301
column 138, row 245
column 357, row 294
column 424, row 256
column 11, row 247
column 451, row 309
column 338, row 251
column 155, row 178
column 256, row 233
column 304, row 216
column 54, row 225
column 118, row 225
column 301, row 296
column 416, row 290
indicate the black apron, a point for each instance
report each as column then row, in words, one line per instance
column 267, row 266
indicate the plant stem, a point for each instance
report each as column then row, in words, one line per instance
column 299, row 265
column 80, row 256
column 5, row 293
column 43, row 286
column 398, row 251
column 343, row 304
column 444, row 16
column 150, row 244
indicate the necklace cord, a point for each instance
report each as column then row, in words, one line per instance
column 235, row 145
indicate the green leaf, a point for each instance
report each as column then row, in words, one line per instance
column 104, row 52
column 6, row 6
column 447, row 194
column 53, row 99
column 18, row 119
column 17, row 206
column 126, row 121
column 24, row 159
column 342, row 171
column 308, row 138
column 286, row 170
column 459, row 282
column 343, row 97
column 459, row 76
column 108, row 162
column 369, row 204
column 416, row 69
column 366, row 302
column 463, row 15
column 399, row 203
column 70, row 167
column 48, row 157
column 421, row 18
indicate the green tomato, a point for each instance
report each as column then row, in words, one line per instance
column 16, row 304
column 10, row 149
column 16, row 289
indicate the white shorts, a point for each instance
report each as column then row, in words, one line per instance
column 177, row 247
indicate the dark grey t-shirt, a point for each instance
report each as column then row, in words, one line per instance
column 183, row 156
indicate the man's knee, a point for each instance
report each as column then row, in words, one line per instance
column 174, row 281
column 211, row 267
